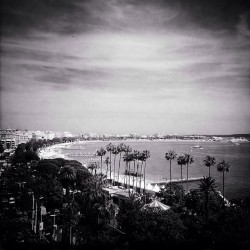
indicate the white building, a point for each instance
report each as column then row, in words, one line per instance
column 23, row 136
column 50, row 135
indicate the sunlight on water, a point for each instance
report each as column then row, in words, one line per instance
column 237, row 181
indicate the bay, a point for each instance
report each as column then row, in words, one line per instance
column 237, row 180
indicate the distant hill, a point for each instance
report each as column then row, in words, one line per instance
column 247, row 136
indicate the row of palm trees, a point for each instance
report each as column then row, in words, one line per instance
column 136, row 160
column 129, row 156
column 186, row 160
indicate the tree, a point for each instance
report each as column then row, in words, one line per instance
column 109, row 148
column 83, row 177
column 207, row 185
column 134, row 159
column 128, row 157
column 107, row 164
column 149, row 227
column 93, row 166
column 31, row 155
column 223, row 167
column 181, row 161
column 101, row 153
column 115, row 152
column 1, row 149
column 121, row 148
column 170, row 155
column 146, row 156
column 141, row 157
column 209, row 161
column 70, row 219
column 189, row 160
column 171, row 194
column 67, row 178
column 47, row 169
column 19, row 154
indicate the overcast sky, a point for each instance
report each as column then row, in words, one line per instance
column 126, row 66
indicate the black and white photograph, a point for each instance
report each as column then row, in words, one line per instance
column 124, row 124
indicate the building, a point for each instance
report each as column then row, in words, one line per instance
column 22, row 136
column 50, row 135
column 39, row 135
column 8, row 138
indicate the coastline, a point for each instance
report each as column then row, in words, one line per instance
column 55, row 151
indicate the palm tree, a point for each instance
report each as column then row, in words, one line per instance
column 141, row 158
column 126, row 159
column 120, row 148
column 207, row 185
column 67, row 177
column 107, row 164
column 146, row 156
column 93, row 166
column 115, row 152
column 170, row 155
column 139, row 170
column 101, row 153
column 189, row 160
column 209, row 161
column 135, row 157
column 109, row 148
column 130, row 159
column 181, row 161
column 223, row 167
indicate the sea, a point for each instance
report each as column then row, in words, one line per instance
column 237, row 180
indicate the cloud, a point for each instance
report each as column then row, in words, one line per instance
column 76, row 16
column 22, row 53
column 129, row 60
column 243, row 27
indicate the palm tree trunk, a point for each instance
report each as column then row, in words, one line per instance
column 119, row 166
column 137, row 173
column 209, row 171
column 170, row 184
column 110, row 169
column 144, row 190
column 187, row 177
column 134, row 175
column 181, row 174
column 206, row 205
column 101, row 164
column 107, row 170
column 125, row 174
column 223, row 182
column 129, row 176
column 114, row 169
column 141, row 175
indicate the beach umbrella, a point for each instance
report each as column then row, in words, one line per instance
column 149, row 186
column 156, row 188
column 157, row 204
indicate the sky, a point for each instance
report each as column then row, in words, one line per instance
column 126, row 66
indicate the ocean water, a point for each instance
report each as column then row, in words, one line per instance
column 237, row 180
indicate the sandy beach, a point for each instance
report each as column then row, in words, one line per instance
column 55, row 151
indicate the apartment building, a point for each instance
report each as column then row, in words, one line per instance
column 8, row 138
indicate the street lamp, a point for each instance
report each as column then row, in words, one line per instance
column 54, row 225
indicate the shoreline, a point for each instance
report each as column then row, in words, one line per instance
column 55, row 151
